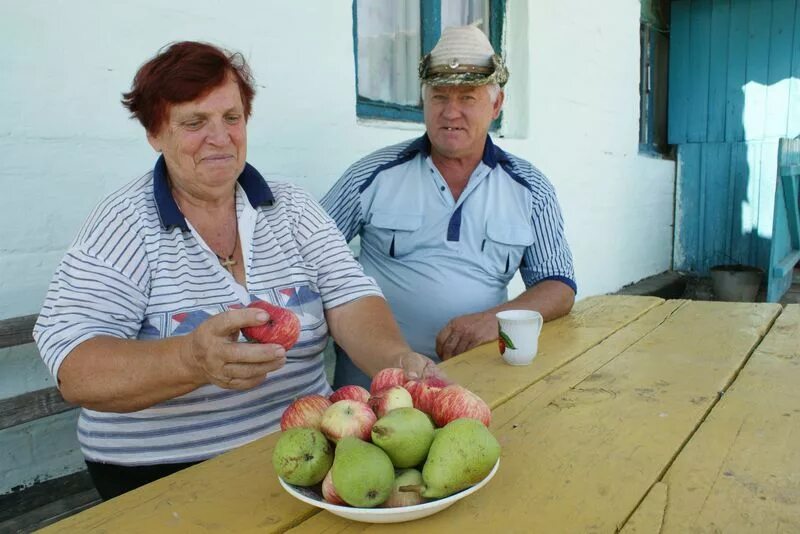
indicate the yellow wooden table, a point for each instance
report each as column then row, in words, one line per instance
column 638, row 414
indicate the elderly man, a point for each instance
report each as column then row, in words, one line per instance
column 447, row 219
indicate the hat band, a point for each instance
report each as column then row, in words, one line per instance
column 460, row 69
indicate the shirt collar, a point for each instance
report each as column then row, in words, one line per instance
column 492, row 154
column 254, row 185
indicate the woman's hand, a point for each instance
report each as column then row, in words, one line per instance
column 418, row 367
column 214, row 354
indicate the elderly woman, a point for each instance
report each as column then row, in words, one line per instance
column 141, row 323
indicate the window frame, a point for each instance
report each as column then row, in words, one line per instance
column 654, row 84
column 430, row 31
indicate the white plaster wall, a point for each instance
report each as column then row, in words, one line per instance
column 65, row 141
column 583, row 76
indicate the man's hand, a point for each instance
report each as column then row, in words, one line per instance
column 466, row 332
column 215, row 356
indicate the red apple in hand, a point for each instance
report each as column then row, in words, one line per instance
column 282, row 327
column 423, row 393
column 455, row 402
column 386, row 378
column 389, row 399
column 305, row 412
column 348, row 418
column 350, row 392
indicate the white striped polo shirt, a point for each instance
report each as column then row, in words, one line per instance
column 137, row 270
column 436, row 258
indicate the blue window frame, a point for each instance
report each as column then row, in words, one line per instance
column 430, row 15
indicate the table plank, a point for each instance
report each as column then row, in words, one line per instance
column 546, row 389
column 649, row 516
column 739, row 472
column 238, row 491
column 235, row 492
column 579, row 454
column 591, row 322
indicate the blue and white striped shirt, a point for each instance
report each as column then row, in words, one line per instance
column 137, row 270
column 436, row 258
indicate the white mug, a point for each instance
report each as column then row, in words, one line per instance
column 519, row 335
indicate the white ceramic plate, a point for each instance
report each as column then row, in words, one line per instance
column 384, row 515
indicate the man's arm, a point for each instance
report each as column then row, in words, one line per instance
column 368, row 333
column 551, row 298
column 343, row 204
column 546, row 269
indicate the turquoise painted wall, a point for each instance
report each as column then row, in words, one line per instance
column 734, row 91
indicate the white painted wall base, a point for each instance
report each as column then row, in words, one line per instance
column 39, row 450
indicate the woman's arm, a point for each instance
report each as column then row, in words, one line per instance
column 111, row 374
column 368, row 333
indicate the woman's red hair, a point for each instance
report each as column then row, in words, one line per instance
column 181, row 73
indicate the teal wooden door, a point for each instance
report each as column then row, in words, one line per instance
column 734, row 91
column 785, row 248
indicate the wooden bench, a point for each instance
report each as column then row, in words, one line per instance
column 46, row 501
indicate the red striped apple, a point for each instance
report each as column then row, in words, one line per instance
column 282, row 326
column 305, row 412
column 350, row 392
column 423, row 393
column 348, row 418
column 456, row 402
column 329, row 492
column 389, row 399
column 386, row 378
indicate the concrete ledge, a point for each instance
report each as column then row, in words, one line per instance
column 667, row 285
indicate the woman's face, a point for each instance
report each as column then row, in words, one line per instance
column 204, row 141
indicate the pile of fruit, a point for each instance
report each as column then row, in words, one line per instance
column 401, row 443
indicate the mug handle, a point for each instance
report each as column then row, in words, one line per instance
column 539, row 323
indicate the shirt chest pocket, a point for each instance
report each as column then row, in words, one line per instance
column 392, row 232
column 504, row 246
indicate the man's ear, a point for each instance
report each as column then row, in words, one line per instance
column 498, row 104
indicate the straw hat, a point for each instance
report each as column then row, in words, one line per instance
column 463, row 56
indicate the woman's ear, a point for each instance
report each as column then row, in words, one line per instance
column 154, row 141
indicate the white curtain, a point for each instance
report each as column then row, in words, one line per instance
column 463, row 12
column 389, row 50
column 389, row 45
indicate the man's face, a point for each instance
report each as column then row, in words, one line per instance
column 204, row 141
column 458, row 118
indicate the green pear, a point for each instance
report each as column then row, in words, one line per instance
column 405, row 434
column 302, row 456
column 461, row 455
column 362, row 473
